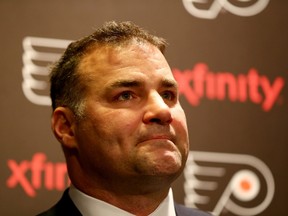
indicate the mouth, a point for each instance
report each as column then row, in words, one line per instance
column 158, row 139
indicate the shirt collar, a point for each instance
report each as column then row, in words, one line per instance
column 90, row 206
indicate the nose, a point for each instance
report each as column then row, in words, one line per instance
column 157, row 111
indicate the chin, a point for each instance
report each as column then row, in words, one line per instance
column 168, row 168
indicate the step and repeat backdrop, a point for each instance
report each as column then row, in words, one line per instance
column 230, row 58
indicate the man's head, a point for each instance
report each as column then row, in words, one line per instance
column 119, row 119
column 67, row 86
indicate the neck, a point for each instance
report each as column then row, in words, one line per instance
column 137, row 204
column 137, row 197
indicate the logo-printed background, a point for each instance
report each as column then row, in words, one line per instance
column 230, row 58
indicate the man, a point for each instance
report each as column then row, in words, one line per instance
column 117, row 116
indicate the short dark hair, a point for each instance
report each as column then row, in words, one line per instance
column 67, row 87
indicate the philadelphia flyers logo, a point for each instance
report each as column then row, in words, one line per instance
column 218, row 182
column 38, row 54
column 210, row 9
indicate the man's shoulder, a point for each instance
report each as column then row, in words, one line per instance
column 181, row 210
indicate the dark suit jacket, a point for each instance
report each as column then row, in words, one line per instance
column 65, row 206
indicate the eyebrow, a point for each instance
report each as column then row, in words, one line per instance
column 169, row 83
column 166, row 83
column 125, row 83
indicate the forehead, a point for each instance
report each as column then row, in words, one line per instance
column 137, row 60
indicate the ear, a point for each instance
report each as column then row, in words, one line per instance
column 63, row 126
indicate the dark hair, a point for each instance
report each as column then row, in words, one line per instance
column 67, row 87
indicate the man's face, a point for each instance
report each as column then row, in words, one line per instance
column 134, row 126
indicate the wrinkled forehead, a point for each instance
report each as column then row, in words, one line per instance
column 140, row 63
column 129, row 54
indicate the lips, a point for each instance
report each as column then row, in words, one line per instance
column 158, row 136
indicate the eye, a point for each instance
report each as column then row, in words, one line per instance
column 168, row 95
column 124, row 96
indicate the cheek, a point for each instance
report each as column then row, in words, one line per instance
column 125, row 124
column 114, row 128
column 111, row 140
column 180, row 126
column 180, row 120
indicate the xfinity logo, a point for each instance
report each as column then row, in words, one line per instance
column 200, row 82
column 36, row 174
column 210, row 9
